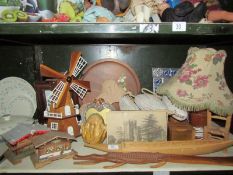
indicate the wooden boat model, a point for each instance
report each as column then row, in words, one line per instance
column 192, row 147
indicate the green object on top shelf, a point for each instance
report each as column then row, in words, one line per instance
column 9, row 16
column 47, row 5
column 10, row 2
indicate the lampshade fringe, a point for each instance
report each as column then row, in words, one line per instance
column 198, row 107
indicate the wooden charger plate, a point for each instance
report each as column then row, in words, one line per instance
column 108, row 69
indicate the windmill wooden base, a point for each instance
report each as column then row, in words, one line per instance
column 68, row 124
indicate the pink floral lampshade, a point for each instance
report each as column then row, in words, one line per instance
column 200, row 83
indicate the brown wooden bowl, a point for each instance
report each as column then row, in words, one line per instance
column 108, row 69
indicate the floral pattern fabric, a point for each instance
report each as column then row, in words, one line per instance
column 200, row 83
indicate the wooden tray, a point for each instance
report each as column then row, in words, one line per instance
column 106, row 69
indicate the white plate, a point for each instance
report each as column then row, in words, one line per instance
column 19, row 92
column 12, row 88
column 18, row 83
column 20, row 106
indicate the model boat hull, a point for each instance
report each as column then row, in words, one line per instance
column 194, row 147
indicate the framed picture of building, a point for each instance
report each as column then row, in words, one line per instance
column 136, row 126
column 43, row 89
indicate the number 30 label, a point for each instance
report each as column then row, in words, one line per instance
column 179, row 26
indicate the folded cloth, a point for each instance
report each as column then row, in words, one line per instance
column 94, row 12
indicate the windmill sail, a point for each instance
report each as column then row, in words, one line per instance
column 81, row 63
column 54, row 96
column 48, row 72
column 60, row 94
column 81, row 91
column 62, row 99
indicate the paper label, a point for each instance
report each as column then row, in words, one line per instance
column 149, row 28
column 113, row 147
column 179, row 26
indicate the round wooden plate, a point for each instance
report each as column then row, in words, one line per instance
column 108, row 69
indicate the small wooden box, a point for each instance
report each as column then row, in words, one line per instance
column 198, row 118
column 181, row 132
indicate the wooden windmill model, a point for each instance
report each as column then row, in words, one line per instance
column 61, row 112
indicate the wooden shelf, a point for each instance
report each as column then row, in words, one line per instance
column 67, row 166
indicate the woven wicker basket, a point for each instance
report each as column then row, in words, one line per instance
column 127, row 103
column 149, row 101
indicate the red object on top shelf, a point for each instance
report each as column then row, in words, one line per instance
column 57, row 18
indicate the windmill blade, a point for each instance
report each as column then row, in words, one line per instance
column 48, row 72
column 53, row 97
column 80, row 89
column 63, row 95
column 84, row 84
column 73, row 61
column 77, row 63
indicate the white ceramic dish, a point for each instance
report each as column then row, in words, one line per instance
column 34, row 17
column 15, row 92
column 20, row 106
